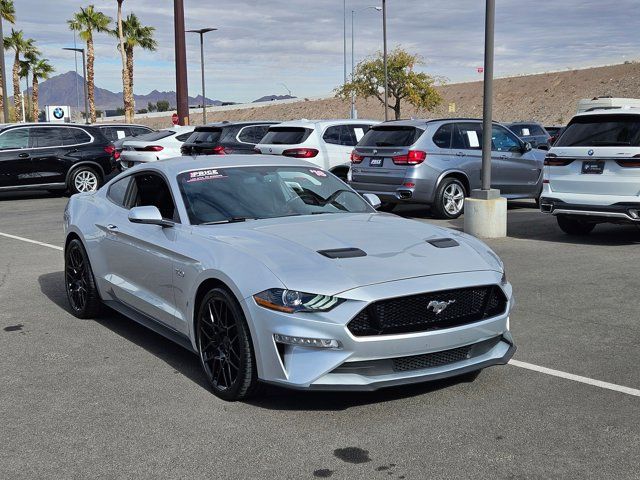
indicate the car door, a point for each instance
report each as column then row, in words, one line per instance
column 49, row 156
column 466, row 145
column 14, row 158
column 513, row 171
column 140, row 257
column 338, row 142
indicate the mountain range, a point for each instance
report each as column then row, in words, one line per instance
column 61, row 90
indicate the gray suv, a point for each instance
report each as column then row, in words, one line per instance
column 437, row 163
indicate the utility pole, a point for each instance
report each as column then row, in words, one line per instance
column 487, row 101
column 384, row 54
column 354, row 114
column 344, row 37
column 84, row 78
column 3, row 81
column 182, row 89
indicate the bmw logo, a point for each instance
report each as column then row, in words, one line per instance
column 58, row 113
column 590, row 153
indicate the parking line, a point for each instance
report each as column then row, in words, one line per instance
column 28, row 240
column 576, row 378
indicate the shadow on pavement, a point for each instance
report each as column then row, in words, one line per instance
column 30, row 195
column 185, row 362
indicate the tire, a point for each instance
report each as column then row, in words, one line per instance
column 224, row 346
column 449, row 201
column 84, row 179
column 387, row 207
column 574, row 226
column 80, row 283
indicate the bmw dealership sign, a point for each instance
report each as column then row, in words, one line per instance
column 57, row 113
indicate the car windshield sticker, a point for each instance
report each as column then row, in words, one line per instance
column 318, row 173
column 472, row 135
column 525, row 132
column 120, row 134
column 202, row 175
column 359, row 133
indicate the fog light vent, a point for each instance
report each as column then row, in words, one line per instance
column 306, row 341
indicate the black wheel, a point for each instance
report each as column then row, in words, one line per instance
column 387, row 207
column 84, row 179
column 225, row 348
column 80, row 284
column 449, row 200
column 574, row 226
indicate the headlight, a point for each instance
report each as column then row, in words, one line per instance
column 291, row 301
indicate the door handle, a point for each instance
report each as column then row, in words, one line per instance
column 459, row 154
column 503, row 157
column 112, row 227
column 23, row 155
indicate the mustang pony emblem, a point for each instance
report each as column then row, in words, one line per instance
column 438, row 307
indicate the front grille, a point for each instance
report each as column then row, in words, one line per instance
column 414, row 314
column 430, row 360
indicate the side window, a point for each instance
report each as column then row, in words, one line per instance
column 503, row 141
column 442, row 137
column 151, row 189
column 358, row 131
column 259, row 131
column 468, row 136
column 135, row 131
column 536, row 130
column 118, row 191
column 339, row 135
column 47, row 137
column 80, row 135
column 183, row 137
column 253, row 134
column 15, row 138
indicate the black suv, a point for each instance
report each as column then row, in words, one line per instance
column 56, row 157
column 225, row 138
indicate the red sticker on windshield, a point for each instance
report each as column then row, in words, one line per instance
column 201, row 175
column 318, row 173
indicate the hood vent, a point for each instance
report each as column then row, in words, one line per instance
column 342, row 253
column 443, row 242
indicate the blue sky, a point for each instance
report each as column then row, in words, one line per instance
column 261, row 44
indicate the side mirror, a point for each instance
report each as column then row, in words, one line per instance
column 543, row 146
column 526, row 147
column 148, row 215
column 373, row 200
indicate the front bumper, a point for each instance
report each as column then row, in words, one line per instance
column 367, row 362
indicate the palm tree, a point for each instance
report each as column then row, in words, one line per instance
column 87, row 21
column 18, row 44
column 134, row 34
column 40, row 69
column 126, row 80
column 8, row 13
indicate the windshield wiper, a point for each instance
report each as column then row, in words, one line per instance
column 229, row 220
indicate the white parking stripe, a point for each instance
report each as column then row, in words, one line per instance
column 576, row 378
column 28, row 240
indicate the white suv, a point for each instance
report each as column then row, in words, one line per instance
column 592, row 172
column 327, row 143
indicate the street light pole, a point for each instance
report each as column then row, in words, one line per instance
column 487, row 103
column 353, row 97
column 3, row 82
column 201, row 32
column 182, row 88
column 344, row 27
column 84, row 78
column 386, row 75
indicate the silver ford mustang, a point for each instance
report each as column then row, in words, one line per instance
column 273, row 270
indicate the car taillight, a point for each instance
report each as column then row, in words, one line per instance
column 153, row 148
column 217, row 150
column 552, row 160
column 113, row 151
column 633, row 162
column 356, row 157
column 300, row 152
column 413, row 157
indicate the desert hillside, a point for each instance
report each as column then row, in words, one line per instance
column 550, row 98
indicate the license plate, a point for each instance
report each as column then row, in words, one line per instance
column 375, row 162
column 593, row 167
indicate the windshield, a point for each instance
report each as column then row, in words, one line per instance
column 390, row 136
column 601, row 130
column 205, row 136
column 242, row 193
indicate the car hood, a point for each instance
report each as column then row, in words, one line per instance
column 396, row 248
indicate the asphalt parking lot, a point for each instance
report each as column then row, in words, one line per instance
column 108, row 398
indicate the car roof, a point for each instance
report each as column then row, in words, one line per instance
column 423, row 122
column 243, row 122
column 305, row 123
column 625, row 110
column 45, row 124
column 522, row 122
column 101, row 125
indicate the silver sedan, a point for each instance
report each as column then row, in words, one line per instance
column 272, row 270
